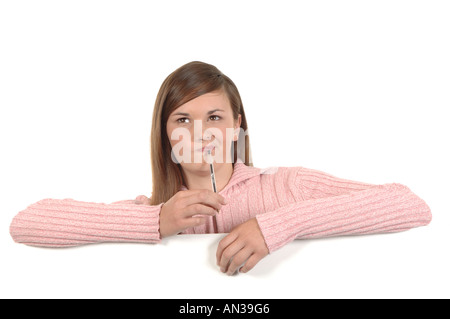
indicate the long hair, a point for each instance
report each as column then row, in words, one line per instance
column 184, row 84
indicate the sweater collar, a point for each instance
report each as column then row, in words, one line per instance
column 241, row 172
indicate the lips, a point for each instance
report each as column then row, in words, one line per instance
column 205, row 148
column 209, row 147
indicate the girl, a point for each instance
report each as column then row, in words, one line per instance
column 199, row 109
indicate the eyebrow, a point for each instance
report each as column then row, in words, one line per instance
column 210, row 112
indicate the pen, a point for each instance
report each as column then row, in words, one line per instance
column 213, row 176
column 213, row 183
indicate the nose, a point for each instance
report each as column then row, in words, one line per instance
column 206, row 136
column 203, row 133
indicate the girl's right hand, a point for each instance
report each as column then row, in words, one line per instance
column 188, row 209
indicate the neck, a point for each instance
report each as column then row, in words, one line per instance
column 202, row 179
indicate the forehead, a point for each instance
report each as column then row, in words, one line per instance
column 205, row 103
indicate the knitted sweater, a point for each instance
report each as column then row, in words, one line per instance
column 288, row 203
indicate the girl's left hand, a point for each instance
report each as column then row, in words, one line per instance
column 244, row 244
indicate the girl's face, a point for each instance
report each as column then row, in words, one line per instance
column 206, row 121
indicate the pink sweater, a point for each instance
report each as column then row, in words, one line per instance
column 288, row 203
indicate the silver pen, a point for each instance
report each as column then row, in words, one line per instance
column 213, row 176
column 213, row 183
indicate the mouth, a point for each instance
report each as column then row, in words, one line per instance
column 206, row 148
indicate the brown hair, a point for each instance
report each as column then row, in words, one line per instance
column 184, row 84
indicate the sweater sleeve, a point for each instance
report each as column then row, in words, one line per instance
column 67, row 222
column 332, row 206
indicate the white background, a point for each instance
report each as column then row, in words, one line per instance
column 358, row 89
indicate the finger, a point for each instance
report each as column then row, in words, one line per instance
column 228, row 255
column 224, row 243
column 250, row 263
column 193, row 222
column 198, row 209
column 142, row 199
column 238, row 260
column 206, row 197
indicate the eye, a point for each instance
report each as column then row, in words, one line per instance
column 218, row 117
column 182, row 120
